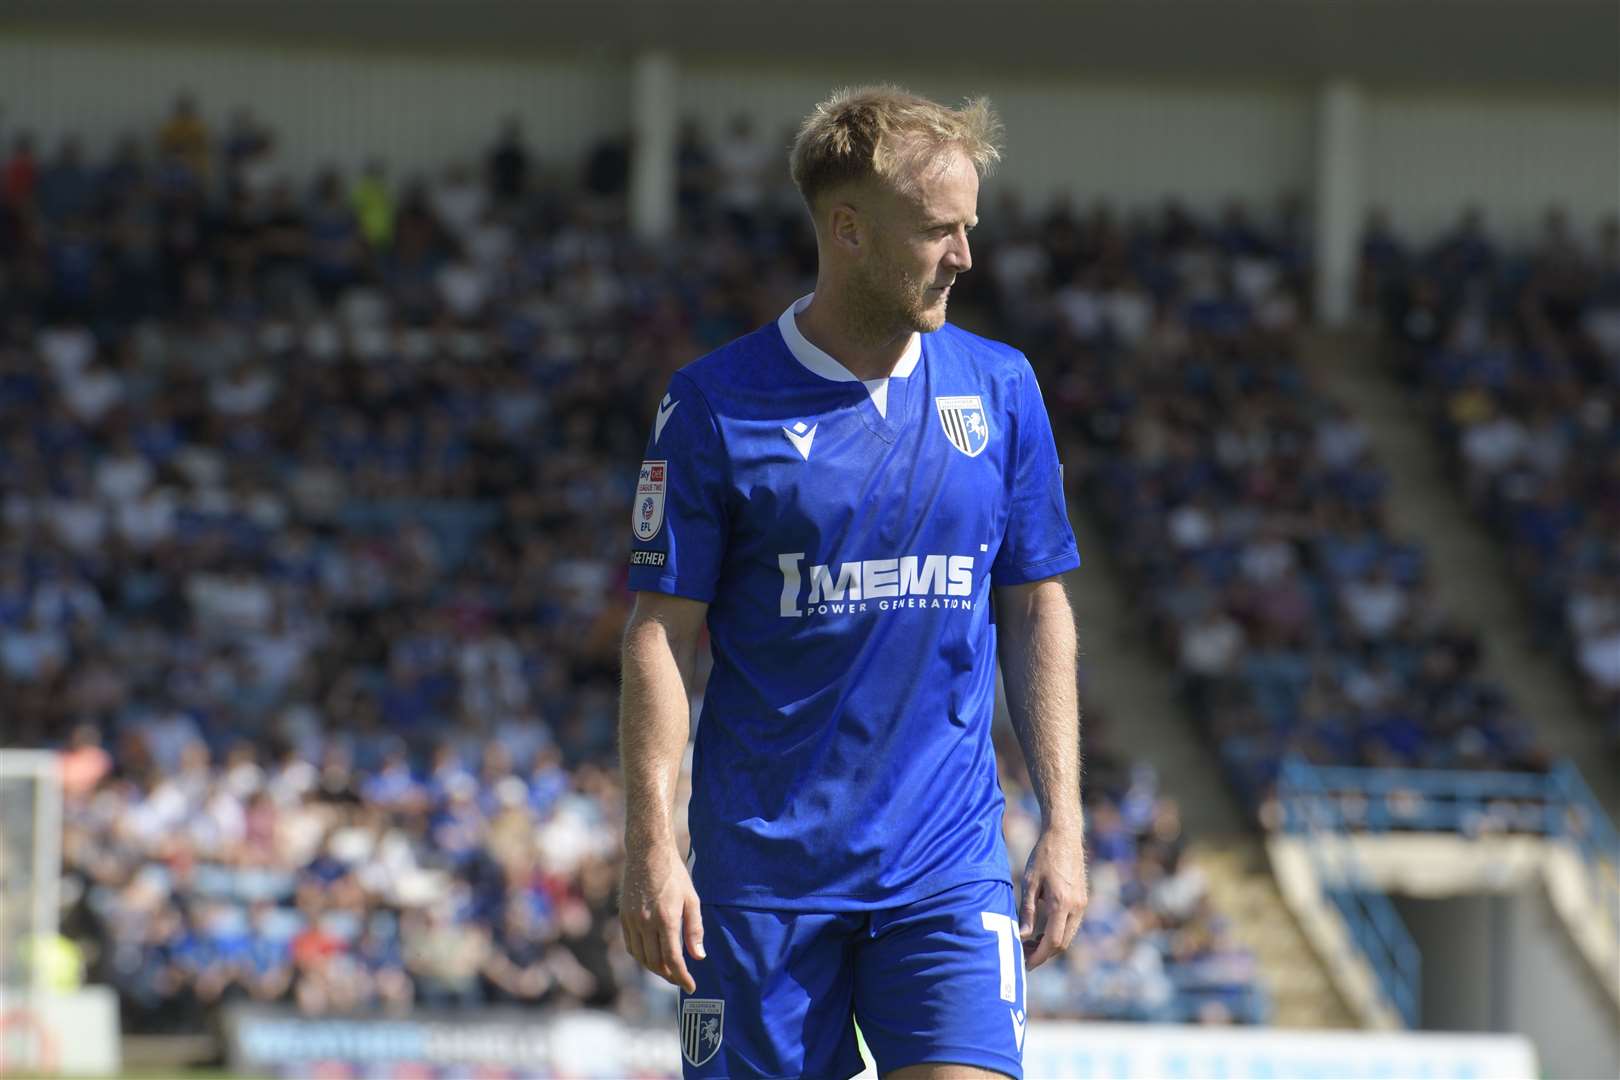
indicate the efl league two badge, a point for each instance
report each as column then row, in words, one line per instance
column 647, row 515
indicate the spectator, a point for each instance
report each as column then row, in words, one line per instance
column 84, row 763
column 509, row 165
column 247, row 151
column 459, row 200
column 694, row 175
column 742, row 163
column 21, row 175
column 374, row 205
column 184, row 138
column 446, row 957
column 67, row 187
column 336, row 248
column 607, row 167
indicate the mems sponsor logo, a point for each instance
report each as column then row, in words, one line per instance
column 908, row 581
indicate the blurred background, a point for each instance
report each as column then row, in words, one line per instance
column 330, row 335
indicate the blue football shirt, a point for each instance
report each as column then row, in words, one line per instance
column 846, row 536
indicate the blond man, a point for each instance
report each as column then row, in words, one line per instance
column 864, row 504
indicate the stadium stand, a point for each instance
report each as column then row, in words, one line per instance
column 1517, row 353
column 304, row 573
column 1245, row 506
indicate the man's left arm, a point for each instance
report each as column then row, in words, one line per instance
column 1037, row 648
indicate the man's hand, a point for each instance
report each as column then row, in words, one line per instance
column 656, row 898
column 1052, row 894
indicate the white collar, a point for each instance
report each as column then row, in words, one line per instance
column 820, row 363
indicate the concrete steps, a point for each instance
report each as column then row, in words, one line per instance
column 1241, row 887
column 1122, row 673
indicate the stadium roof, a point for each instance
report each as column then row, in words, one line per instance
column 1502, row 44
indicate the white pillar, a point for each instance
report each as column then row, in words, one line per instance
column 652, row 155
column 1340, row 199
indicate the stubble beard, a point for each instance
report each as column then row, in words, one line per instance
column 893, row 300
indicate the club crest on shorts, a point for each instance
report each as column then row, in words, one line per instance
column 703, row 1025
column 966, row 423
column 647, row 515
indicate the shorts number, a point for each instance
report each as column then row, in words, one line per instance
column 1007, row 949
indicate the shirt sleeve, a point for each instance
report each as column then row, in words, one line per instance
column 1039, row 542
column 678, row 522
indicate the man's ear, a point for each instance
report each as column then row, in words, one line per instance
column 845, row 227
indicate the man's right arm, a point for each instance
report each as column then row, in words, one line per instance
column 657, row 897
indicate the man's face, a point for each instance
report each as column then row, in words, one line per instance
column 918, row 244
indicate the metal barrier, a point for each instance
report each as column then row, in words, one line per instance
column 1583, row 824
column 1310, row 811
column 1325, row 804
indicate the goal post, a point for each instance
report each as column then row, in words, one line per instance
column 30, row 863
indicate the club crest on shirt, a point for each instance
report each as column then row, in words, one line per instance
column 965, row 422
column 703, row 1025
column 647, row 515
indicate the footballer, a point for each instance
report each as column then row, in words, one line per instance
column 864, row 506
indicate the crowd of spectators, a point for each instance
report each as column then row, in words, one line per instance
column 1152, row 946
column 1244, row 506
column 1517, row 351
column 269, row 877
column 302, row 567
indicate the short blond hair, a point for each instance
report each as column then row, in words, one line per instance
column 889, row 134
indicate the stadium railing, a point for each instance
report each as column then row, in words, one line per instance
column 1310, row 811
column 1324, row 804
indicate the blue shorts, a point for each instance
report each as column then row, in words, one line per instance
column 939, row 980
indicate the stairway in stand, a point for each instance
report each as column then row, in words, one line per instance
column 1132, row 682
column 1128, row 678
column 1242, row 888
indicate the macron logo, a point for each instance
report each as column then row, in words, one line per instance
column 1018, row 1023
column 801, row 438
column 665, row 407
